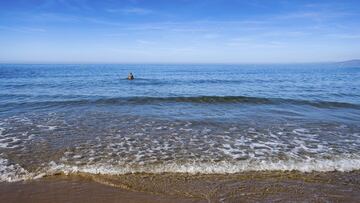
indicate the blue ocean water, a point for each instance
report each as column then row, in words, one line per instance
column 178, row 118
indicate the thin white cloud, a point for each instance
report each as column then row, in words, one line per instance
column 53, row 17
column 23, row 29
column 211, row 36
column 116, row 35
column 74, row 5
column 324, row 15
column 345, row 36
column 133, row 10
column 284, row 33
column 247, row 42
column 145, row 42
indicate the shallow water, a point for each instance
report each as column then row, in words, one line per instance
column 177, row 118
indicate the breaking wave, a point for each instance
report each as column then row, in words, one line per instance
column 12, row 173
column 197, row 99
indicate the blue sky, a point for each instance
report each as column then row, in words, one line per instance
column 178, row 31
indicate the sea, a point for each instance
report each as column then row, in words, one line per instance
column 177, row 118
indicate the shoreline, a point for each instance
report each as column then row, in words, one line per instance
column 181, row 187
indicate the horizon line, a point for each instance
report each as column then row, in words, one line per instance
column 173, row 63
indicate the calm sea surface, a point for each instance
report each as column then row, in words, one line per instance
column 177, row 118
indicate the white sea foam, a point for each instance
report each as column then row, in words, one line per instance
column 12, row 172
column 186, row 148
column 7, row 141
column 309, row 165
column 47, row 127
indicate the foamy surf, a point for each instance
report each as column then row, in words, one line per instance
column 10, row 172
column 34, row 146
column 13, row 172
column 223, row 167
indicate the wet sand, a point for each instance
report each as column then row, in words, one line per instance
column 76, row 189
column 169, row 187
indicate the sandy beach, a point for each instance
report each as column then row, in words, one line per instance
column 172, row 187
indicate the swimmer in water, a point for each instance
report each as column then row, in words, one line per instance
column 130, row 76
